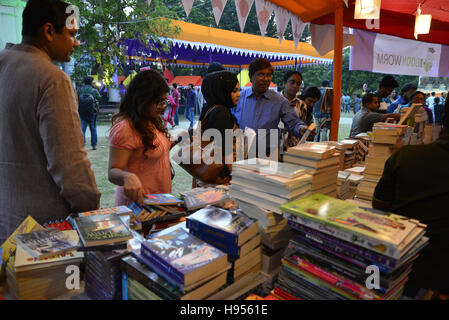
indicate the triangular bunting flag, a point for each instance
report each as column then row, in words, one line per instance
column 218, row 7
column 297, row 29
column 264, row 10
column 188, row 4
column 149, row 2
column 282, row 17
column 243, row 8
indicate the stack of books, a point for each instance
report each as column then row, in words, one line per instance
column 322, row 160
column 275, row 234
column 38, row 269
column 343, row 185
column 194, row 267
column 233, row 233
column 102, row 276
column 364, row 143
column 387, row 138
column 268, row 184
column 122, row 211
column 348, row 147
column 342, row 250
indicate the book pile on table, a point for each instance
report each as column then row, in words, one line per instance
column 268, row 184
column 387, row 138
column 174, row 264
column 100, row 236
column 235, row 234
column 343, row 185
column 349, row 147
column 321, row 159
column 338, row 243
column 198, row 198
column 38, row 269
column 363, row 147
column 275, row 233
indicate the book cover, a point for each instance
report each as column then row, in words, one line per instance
column 389, row 228
column 9, row 246
column 104, row 229
column 120, row 211
column 270, row 167
column 184, row 255
column 233, row 228
column 197, row 199
column 161, row 198
column 45, row 243
column 24, row 261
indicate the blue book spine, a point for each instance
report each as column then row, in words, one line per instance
column 227, row 237
column 163, row 265
column 232, row 250
column 125, row 286
column 160, row 270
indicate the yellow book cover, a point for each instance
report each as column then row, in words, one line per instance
column 9, row 246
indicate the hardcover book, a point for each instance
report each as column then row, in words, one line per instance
column 183, row 255
column 101, row 230
column 45, row 243
column 161, row 198
column 201, row 197
column 233, row 228
column 388, row 228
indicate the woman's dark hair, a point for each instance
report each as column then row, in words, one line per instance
column 258, row 64
column 146, row 90
column 310, row 92
column 289, row 73
column 39, row 12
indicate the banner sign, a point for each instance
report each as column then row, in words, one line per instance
column 387, row 54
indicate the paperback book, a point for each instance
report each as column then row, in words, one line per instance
column 161, row 198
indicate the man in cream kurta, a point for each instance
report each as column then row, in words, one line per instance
column 44, row 169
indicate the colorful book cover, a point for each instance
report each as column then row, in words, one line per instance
column 222, row 223
column 161, row 198
column 97, row 230
column 388, row 228
column 204, row 196
column 181, row 252
column 120, row 210
column 25, row 261
column 9, row 246
column 45, row 243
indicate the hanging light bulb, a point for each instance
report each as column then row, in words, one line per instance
column 422, row 22
column 367, row 9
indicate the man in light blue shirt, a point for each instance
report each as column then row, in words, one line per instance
column 260, row 108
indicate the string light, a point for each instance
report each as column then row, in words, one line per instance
column 422, row 22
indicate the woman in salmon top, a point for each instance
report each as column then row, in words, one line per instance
column 139, row 142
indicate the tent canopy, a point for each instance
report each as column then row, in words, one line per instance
column 397, row 18
column 198, row 45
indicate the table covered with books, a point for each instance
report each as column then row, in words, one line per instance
column 292, row 230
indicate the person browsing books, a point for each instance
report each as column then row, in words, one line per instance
column 418, row 98
column 221, row 91
column 139, row 161
column 44, row 169
column 411, row 187
column 364, row 120
column 260, row 108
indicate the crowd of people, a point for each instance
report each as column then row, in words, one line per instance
column 45, row 171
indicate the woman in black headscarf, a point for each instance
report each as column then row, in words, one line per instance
column 221, row 91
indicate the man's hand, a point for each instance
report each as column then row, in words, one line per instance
column 133, row 188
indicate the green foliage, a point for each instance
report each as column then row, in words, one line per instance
column 104, row 23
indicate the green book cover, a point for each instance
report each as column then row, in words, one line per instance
column 386, row 227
